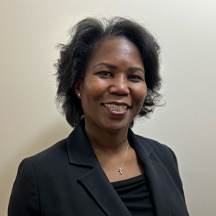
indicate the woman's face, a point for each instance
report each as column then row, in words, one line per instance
column 114, row 88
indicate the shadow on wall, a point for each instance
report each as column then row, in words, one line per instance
column 41, row 142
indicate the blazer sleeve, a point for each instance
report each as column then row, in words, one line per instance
column 24, row 200
column 178, row 179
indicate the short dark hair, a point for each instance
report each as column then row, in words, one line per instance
column 75, row 55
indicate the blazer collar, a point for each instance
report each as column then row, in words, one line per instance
column 81, row 152
column 144, row 149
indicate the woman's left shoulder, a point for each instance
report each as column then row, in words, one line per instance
column 162, row 151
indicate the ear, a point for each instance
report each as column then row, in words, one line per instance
column 78, row 88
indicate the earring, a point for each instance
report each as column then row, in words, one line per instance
column 78, row 95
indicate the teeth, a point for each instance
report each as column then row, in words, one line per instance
column 115, row 107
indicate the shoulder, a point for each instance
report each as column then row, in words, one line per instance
column 164, row 153
column 55, row 151
column 46, row 160
column 47, row 164
column 155, row 145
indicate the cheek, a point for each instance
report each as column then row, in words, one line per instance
column 140, row 94
column 93, row 90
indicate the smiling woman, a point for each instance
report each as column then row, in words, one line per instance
column 108, row 74
column 86, row 37
column 114, row 88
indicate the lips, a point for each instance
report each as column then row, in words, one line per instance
column 115, row 107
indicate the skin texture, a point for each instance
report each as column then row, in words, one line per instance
column 114, row 74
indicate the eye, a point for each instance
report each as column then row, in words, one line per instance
column 135, row 78
column 104, row 74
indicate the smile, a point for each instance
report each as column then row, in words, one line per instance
column 117, row 108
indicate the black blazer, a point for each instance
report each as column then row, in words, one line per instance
column 67, row 180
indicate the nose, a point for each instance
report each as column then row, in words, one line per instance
column 119, row 85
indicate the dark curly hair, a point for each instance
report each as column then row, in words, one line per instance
column 74, row 57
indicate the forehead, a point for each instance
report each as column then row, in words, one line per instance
column 108, row 44
column 114, row 49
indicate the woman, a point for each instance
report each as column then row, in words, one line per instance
column 108, row 75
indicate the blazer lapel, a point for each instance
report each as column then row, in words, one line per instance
column 154, row 173
column 159, row 187
column 80, row 152
column 103, row 192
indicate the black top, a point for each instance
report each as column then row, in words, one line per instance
column 135, row 194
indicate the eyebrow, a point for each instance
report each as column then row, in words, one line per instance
column 136, row 69
column 114, row 67
column 106, row 64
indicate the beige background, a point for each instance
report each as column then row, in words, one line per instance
column 29, row 121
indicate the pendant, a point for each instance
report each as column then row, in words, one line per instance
column 120, row 170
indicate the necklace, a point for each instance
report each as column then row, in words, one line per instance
column 120, row 168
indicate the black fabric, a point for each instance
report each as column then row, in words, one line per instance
column 67, row 180
column 135, row 194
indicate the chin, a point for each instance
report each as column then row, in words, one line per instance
column 116, row 126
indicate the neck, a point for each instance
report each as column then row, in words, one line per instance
column 107, row 141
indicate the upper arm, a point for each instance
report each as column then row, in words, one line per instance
column 177, row 176
column 24, row 198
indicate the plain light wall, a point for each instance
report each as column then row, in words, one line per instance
column 30, row 122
